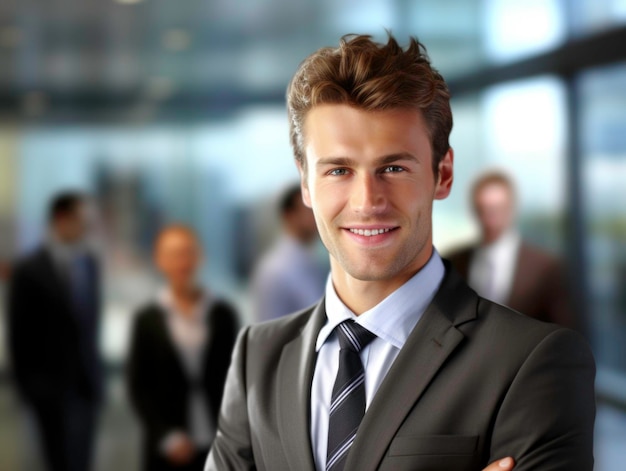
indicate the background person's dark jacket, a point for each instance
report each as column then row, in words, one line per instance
column 158, row 384
column 50, row 352
column 539, row 287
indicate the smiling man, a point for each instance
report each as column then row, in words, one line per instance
column 401, row 366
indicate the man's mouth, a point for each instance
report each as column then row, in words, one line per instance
column 371, row 232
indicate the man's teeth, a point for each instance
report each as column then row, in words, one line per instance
column 369, row 232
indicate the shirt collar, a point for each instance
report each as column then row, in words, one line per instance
column 394, row 317
column 63, row 253
column 165, row 300
column 505, row 244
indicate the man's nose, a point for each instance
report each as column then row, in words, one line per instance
column 368, row 195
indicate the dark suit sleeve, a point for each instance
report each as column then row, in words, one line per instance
column 232, row 447
column 547, row 416
column 559, row 307
column 227, row 327
column 16, row 311
column 140, row 370
column 20, row 306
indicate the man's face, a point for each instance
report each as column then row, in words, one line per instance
column 73, row 226
column 370, row 183
column 178, row 255
column 495, row 210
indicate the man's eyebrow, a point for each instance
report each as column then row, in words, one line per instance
column 383, row 160
column 338, row 161
column 392, row 158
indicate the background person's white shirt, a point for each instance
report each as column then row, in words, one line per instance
column 492, row 268
column 190, row 335
column 392, row 320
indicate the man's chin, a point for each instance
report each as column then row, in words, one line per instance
column 371, row 273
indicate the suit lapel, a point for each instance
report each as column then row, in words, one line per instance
column 55, row 282
column 432, row 341
column 295, row 375
column 166, row 343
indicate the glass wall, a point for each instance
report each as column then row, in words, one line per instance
column 219, row 177
column 174, row 112
column 514, row 29
column 590, row 16
column 603, row 124
column 520, row 128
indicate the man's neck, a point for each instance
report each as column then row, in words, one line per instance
column 491, row 241
column 362, row 295
column 185, row 298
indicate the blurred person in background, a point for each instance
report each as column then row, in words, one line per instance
column 54, row 316
column 5, row 269
column 179, row 354
column 502, row 267
column 289, row 277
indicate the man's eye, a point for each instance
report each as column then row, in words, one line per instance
column 338, row 172
column 393, row 169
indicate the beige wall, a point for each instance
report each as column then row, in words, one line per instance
column 8, row 188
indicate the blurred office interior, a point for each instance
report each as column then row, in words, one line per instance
column 171, row 110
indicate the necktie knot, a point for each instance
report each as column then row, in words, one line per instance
column 353, row 336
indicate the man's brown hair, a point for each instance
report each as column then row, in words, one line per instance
column 373, row 77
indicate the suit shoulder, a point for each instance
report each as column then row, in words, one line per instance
column 147, row 313
column 29, row 261
column 224, row 308
column 280, row 331
column 223, row 316
column 460, row 251
column 518, row 331
column 503, row 317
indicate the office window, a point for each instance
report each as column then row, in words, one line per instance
column 603, row 114
column 519, row 128
column 590, row 16
column 453, row 223
column 524, row 131
column 451, row 30
column 515, row 29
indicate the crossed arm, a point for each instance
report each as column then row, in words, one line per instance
column 506, row 464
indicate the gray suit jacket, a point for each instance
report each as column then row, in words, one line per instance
column 475, row 382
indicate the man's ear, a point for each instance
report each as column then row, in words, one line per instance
column 445, row 176
column 304, row 185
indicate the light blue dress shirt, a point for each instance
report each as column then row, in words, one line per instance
column 392, row 320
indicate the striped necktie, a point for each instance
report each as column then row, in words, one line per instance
column 347, row 405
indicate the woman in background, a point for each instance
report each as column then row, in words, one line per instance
column 179, row 355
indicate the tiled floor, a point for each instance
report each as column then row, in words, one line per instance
column 118, row 443
column 118, row 439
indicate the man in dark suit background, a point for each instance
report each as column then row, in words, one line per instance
column 502, row 267
column 401, row 366
column 180, row 351
column 53, row 324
